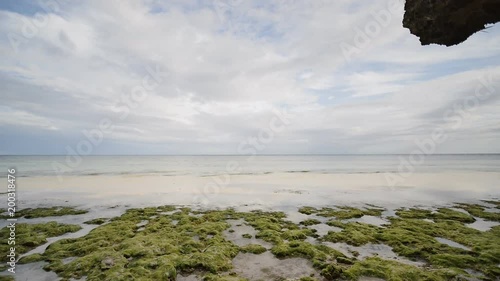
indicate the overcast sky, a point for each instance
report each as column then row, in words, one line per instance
column 206, row 77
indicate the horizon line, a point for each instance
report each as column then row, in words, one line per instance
column 269, row 154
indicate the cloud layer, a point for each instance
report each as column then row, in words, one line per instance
column 351, row 77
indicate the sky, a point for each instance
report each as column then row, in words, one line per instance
column 239, row 77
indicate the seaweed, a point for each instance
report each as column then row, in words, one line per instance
column 30, row 236
column 342, row 212
column 96, row 221
column 253, row 248
column 195, row 243
column 310, row 222
column 55, row 211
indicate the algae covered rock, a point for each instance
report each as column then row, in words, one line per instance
column 31, row 258
column 56, row 211
column 185, row 242
column 97, row 221
column 30, row 236
column 166, row 273
column 253, row 248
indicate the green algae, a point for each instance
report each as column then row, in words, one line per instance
column 479, row 211
column 395, row 271
column 30, row 236
column 353, row 233
column 493, row 202
column 308, row 210
column 440, row 214
column 48, row 212
column 298, row 234
column 31, row 258
column 193, row 244
column 253, row 248
column 310, row 222
column 342, row 212
column 414, row 238
column 247, row 236
column 323, row 258
column 186, row 242
column 7, row 278
column 96, row 221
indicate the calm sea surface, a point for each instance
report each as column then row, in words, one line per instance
column 30, row 166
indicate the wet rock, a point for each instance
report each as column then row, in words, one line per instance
column 107, row 263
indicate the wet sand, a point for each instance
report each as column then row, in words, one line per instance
column 264, row 190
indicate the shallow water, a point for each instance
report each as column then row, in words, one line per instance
column 191, row 277
column 241, row 228
column 267, row 267
column 33, row 272
column 482, row 225
column 451, row 243
column 369, row 220
column 82, row 232
column 323, row 229
column 249, row 192
column 370, row 250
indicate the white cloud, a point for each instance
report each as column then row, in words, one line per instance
column 228, row 71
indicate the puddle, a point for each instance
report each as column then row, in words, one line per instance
column 482, row 225
column 460, row 210
column 191, row 277
column 370, row 250
column 322, row 229
column 239, row 228
column 198, row 215
column 267, row 267
column 32, row 272
column 40, row 249
column 451, row 243
column 389, row 213
column 312, row 240
column 492, row 210
column 297, row 217
column 474, row 273
column 377, row 221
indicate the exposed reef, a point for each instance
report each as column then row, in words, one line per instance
column 170, row 243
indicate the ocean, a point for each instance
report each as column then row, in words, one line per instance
column 33, row 166
column 267, row 181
